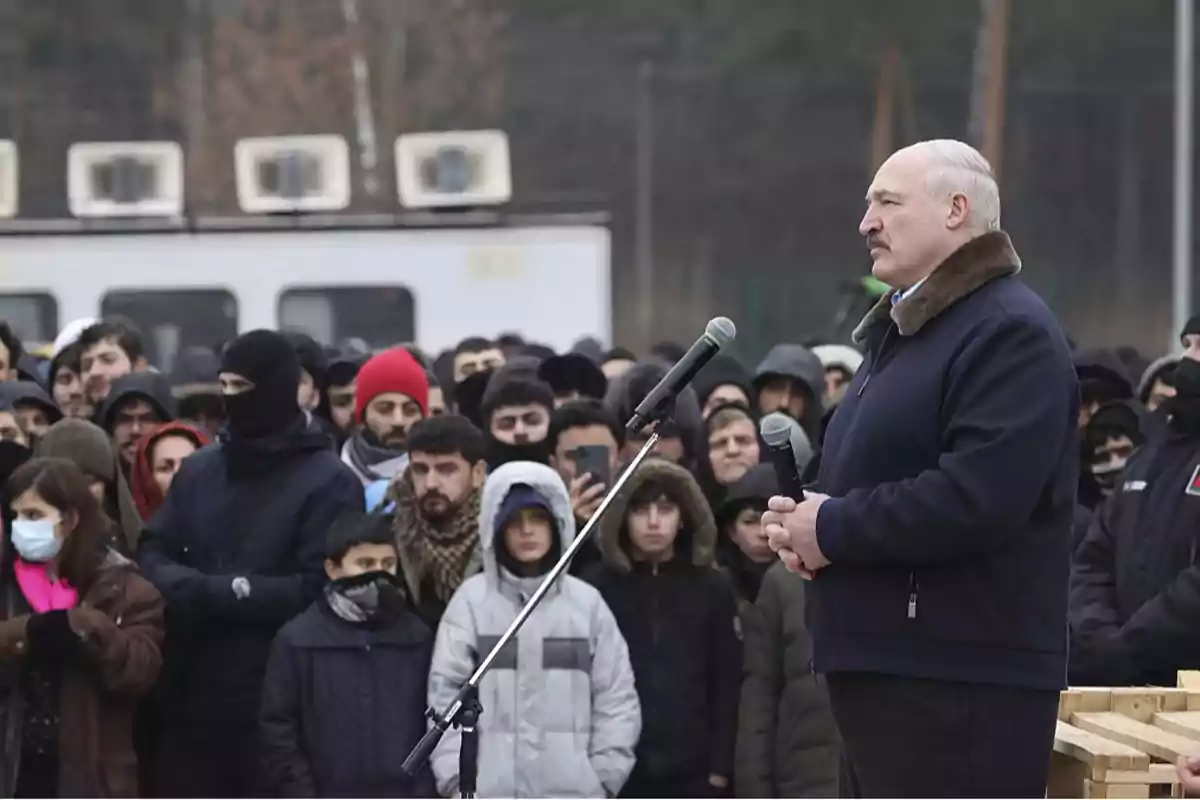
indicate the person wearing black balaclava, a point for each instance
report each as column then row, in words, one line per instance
column 237, row 549
column 516, row 412
column 1135, row 581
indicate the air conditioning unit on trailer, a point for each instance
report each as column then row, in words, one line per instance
column 453, row 169
column 280, row 174
column 125, row 179
column 9, row 184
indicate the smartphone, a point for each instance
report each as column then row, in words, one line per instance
column 593, row 458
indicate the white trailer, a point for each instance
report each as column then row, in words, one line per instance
column 388, row 279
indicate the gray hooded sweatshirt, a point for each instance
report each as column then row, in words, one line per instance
column 561, row 715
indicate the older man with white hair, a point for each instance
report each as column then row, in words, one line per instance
column 939, row 549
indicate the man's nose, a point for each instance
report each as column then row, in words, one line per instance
column 869, row 223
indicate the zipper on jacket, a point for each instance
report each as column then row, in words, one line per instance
column 876, row 358
column 912, row 595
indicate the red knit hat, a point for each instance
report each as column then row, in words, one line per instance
column 392, row 370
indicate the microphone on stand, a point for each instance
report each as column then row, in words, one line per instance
column 776, row 432
column 719, row 332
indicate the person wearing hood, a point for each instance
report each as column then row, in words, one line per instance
column 160, row 454
column 90, row 449
column 66, row 386
column 32, row 405
column 679, row 437
column 391, row 395
column 136, row 403
column 841, row 363
column 678, row 615
column 195, row 387
column 790, row 378
column 357, row 634
column 80, row 641
column 742, row 549
column 1102, row 379
column 1157, row 382
column 561, row 713
column 435, row 506
column 1135, row 583
column 572, row 376
column 723, row 380
column 729, row 448
column 238, row 549
column 516, row 410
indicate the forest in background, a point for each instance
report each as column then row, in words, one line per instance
column 755, row 125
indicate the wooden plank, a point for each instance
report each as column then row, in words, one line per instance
column 1157, row 773
column 1157, row 742
column 1099, row 753
column 1079, row 699
column 1067, row 777
column 1097, row 789
column 1184, row 723
column 1138, row 702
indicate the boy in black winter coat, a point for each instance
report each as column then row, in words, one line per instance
column 679, row 618
column 344, row 695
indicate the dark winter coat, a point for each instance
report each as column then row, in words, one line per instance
column 259, row 510
column 952, row 465
column 343, row 704
column 1135, row 584
column 787, row 743
column 679, row 620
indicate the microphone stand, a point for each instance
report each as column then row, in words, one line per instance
column 465, row 709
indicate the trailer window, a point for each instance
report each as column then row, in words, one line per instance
column 33, row 316
column 171, row 320
column 381, row 316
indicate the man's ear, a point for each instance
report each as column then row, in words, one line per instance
column 478, row 473
column 331, row 568
column 141, row 364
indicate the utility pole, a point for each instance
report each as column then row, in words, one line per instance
column 364, row 112
column 644, row 200
column 1181, row 244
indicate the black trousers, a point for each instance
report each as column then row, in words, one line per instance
column 905, row 737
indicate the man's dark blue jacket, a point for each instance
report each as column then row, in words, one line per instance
column 952, row 465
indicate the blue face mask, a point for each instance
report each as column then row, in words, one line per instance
column 35, row 540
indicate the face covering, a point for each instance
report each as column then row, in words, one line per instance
column 1184, row 407
column 1107, row 474
column 365, row 597
column 35, row 540
column 500, row 453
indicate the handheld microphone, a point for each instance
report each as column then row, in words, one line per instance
column 776, row 432
column 718, row 333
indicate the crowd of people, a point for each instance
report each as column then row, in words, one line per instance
column 251, row 574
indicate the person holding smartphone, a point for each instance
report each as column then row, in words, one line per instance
column 585, row 442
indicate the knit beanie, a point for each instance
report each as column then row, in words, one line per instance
column 392, row 370
column 268, row 360
column 573, row 372
column 1192, row 327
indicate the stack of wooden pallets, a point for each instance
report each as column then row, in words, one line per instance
column 1124, row 742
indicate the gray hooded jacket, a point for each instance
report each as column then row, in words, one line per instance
column 561, row 715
